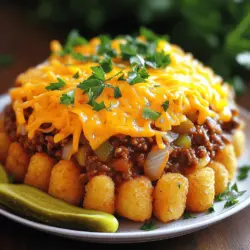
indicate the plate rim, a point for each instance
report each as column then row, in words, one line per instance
column 130, row 236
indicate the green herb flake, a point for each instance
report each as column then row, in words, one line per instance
column 117, row 92
column 105, row 47
column 179, row 185
column 68, row 98
column 148, row 226
column 138, row 75
column 137, row 60
column 158, row 60
column 187, row 215
column 165, row 105
column 243, row 172
column 98, row 73
column 56, row 85
column 128, row 50
column 121, row 77
column 148, row 113
column 76, row 75
column 106, row 64
column 211, row 210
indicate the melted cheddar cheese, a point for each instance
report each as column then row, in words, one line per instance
column 190, row 88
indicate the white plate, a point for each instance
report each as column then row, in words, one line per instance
column 130, row 232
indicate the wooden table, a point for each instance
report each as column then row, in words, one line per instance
column 28, row 43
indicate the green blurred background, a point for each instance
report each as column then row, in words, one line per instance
column 215, row 31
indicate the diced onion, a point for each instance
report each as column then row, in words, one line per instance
column 156, row 162
column 67, row 151
column 170, row 136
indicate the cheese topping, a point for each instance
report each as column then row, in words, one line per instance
column 188, row 86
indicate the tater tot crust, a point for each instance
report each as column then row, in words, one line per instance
column 201, row 190
column 39, row 171
column 221, row 177
column 134, row 199
column 239, row 142
column 227, row 157
column 170, row 196
column 65, row 182
column 17, row 162
column 100, row 194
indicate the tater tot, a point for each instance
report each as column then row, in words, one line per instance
column 221, row 177
column 39, row 171
column 100, row 194
column 4, row 146
column 134, row 199
column 65, row 182
column 17, row 162
column 239, row 142
column 170, row 196
column 227, row 157
column 201, row 190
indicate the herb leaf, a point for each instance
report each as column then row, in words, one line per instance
column 243, row 172
column 105, row 47
column 137, row 60
column 137, row 75
column 128, row 50
column 148, row 226
column 148, row 113
column 56, row 85
column 165, row 105
column 68, row 98
column 117, row 92
column 158, row 60
column 106, row 64
column 187, row 215
column 98, row 73
column 76, row 75
column 211, row 210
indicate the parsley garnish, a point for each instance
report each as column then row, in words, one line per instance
column 187, row 215
column 128, row 50
column 117, row 92
column 137, row 75
column 211, row 210
column 106, row 64
column 150, row 35
column 158, row 60
column 98, row 73
column 243, row 172
column 76, row 75
column 68, row 98
column 105, row 47
column 56, row 85
column 179, row 185
column 121, row 77
column 165, row 105
column 73, row 39
column 137, row 60
column 148, row 113
column 96, row 106
column 230, row 195
column 148, row 226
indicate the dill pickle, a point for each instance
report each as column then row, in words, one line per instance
column 33, row 203
column 3, row 175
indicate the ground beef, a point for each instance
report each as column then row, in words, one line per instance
column 129, row 153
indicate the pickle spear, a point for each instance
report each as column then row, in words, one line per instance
column 33, row 203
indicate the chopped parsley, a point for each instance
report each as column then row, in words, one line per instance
column 128, row 50
column 158, row 60
column 150, row 35
column 243, row 172
column 230, row 195
column 137, row 60
column 56, row 85
column 96, row 106
column 148, row 226
column 137, row 75
column 76, row 75
column 121, row 77
column 117, row 92
column 187, row 215
column 148, row 113
column 106, row 64
column 211, row 210
column 105, row 47
column 73, row 39
column 179, row 185
column 68, row 98
column 165, row 105
column 98, row 73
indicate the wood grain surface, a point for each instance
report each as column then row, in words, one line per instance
column 29, row 44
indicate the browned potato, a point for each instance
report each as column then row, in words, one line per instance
column 39, row 171
column 65, row 182
column 100, row 194
column 170, row 196
column 201, row 190
column 239, row 142
column 134, row 199
column 227, row 157
column 17, row 162
column 221, row 177
column 4, row 146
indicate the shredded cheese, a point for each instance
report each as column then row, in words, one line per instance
column 188, row 86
